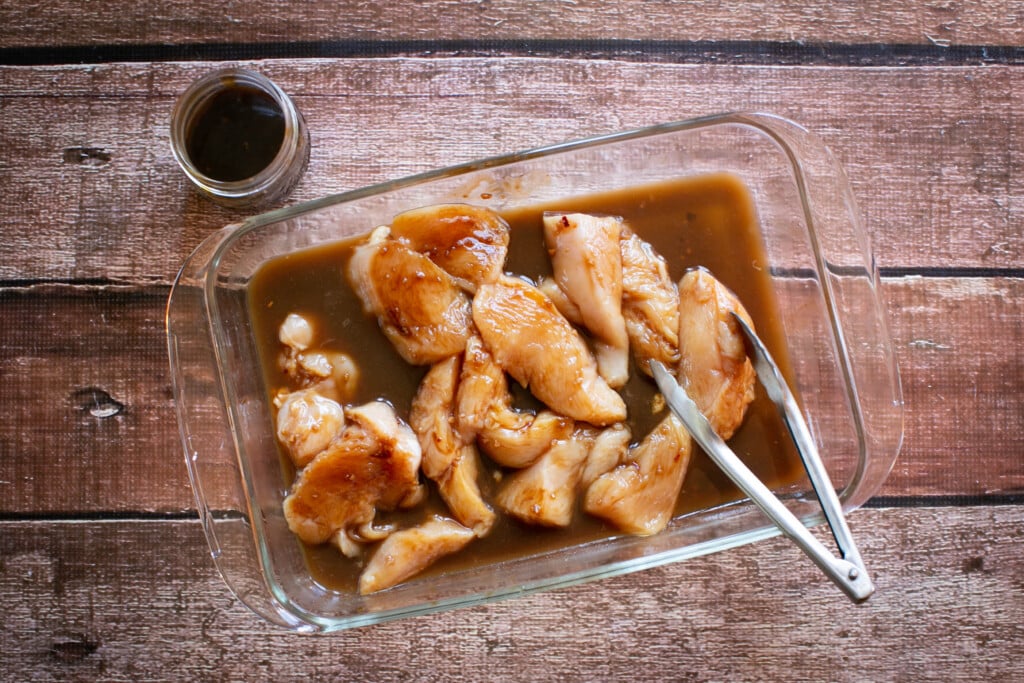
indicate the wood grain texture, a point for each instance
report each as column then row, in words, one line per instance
column 932, row 153
column 85, row 385
column 962, row 374
column 178, row 21
column 129, row 601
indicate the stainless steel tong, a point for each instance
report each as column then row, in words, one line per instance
column 848, row 572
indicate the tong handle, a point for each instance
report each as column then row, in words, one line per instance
column 778, row 391
column 850, row 577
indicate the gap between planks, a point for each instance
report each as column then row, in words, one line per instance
column 734, row 52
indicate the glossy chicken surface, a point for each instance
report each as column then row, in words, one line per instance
column 587, row 266
column 509, row 437
column 307, row 423
column 713, row 367
column 640, row 495
column 545, row 492
column 650, row 303
column 374, row 464
column 449, row 459
column 469, row 242
column 407, row 552
column 421, row 309
column 537, row 346
column 608, row 449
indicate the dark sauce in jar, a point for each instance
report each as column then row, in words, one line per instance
column 236, row 133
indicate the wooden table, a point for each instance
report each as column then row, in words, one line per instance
column 104, row 572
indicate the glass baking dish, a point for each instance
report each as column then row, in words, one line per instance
column 824, row 280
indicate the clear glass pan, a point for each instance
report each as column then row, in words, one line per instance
column 826, row 286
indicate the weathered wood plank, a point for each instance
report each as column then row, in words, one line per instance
column 113, row 601
column 934, row 154
column 89, row 421
column 180, row 21
column 962, row 366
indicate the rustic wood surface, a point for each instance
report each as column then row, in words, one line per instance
column 104, row 573
column 933, row 158
column 104, row 600
column 939, row 24
column 113, row 402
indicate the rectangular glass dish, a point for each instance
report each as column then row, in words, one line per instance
column 822, row 275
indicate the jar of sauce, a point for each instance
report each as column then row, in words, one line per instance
column 239, row 138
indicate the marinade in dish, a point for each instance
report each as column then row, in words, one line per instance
column 707, row 221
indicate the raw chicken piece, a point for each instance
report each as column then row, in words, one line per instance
column 545, row 492
column 406, row 553
column 448, row 459
column 307, row 423
column 640, row 495
column 531, row 340
column 373, row 465
column 517, row 439
column 587, row 263
column 510, row 438
column 561, row 301
column 333, row 373
column 650, row 303
column 714, row 368
column 470, row 242
column 608, row 449
column 344, row 377
column 296, row 332
column 420, row 308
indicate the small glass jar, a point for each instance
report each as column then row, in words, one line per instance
column 223, row 133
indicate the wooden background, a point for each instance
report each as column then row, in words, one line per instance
column 104, row 573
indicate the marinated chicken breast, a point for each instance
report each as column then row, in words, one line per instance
column 562, row 302
column 373, row 465
column 511, row 438
column 408, row 552
column 307, row 423
column 545, row 492
column 296, row 332
column 421, row 309
column 448, row 459
column 332, row 373
column 640, row 495
column 609, row 448
column 469, row 242
column 713, row 367
column 535, row 344
column 587, row 265
column 650, row 303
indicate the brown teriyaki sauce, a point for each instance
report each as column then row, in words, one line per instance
column 707, row 221
column 236, row 133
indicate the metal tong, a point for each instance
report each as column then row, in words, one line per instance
column 848, row 572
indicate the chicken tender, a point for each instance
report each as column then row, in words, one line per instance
column 448, row 459
column 609, row 448
column 545, row 492
column 511, row 438
column 469, row 242
column 587, row 264
column 640, row 495
column 408, row 552
column 373, row 465
column 650, row 304
column 307, row 423
column 713, row 367
column 420, row 308
column 535, row 344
